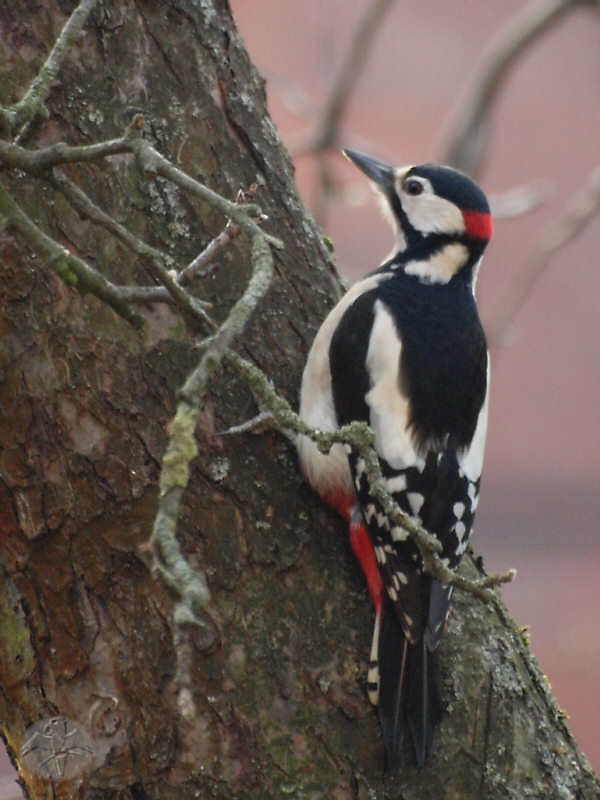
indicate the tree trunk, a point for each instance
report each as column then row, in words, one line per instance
column 279, row 666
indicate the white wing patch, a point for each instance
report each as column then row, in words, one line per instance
column 398, row 533
column 471, row 462
column 396, row 484
column 389, row 408
column 326, row 472
column 415, row 500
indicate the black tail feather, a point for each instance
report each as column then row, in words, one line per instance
column 409, row 694
column 423, row 705
column 393, row 652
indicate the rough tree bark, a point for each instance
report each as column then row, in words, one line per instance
column 278, row 667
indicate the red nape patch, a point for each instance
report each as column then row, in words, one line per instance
column 479, row 225
column 361, row 544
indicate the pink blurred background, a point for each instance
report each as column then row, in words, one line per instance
column 540, row 504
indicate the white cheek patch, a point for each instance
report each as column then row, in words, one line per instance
column 471, row 462
column 430, row 213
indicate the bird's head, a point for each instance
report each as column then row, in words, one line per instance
column 442, row 218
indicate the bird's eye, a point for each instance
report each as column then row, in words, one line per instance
column 413, row 186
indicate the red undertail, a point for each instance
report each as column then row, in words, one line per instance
column 348, row 508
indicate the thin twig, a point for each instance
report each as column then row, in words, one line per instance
column 85, row 206
column 37, row 161
column 198, row 266
column 582, row 207
column 360, row 436
column 73, row 270
column 182, row 447
column 262, row 262
column 156, row 261
column 258, row 424
column 327, row 133
column 153, row 164
column 351, row 69
column 189, row 583
column 467, row 136
column 32, row 103
column 145, row 295
column 520, row 200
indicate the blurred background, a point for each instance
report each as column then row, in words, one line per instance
column 540, row 503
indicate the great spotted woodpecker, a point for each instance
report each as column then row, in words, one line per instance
column 404, row 350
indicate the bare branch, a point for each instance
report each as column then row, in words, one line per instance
column 182, row 448
column 582, row 207
column 144, row 295
column 160, row 261
column 258, row 424
column 188, row 583
column 467, row 137
column 157, row 262
column 37, row 161
column 327, row 133
column 153, row 163
column 72, row 269
column 85, row 206
column 349, row 73
column 198, row 267
column 520, row 200
column 32, row 103
column 360, row 436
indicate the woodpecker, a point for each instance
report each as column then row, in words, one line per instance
column 404, row 350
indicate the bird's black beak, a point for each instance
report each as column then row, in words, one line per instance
column 381, row 173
